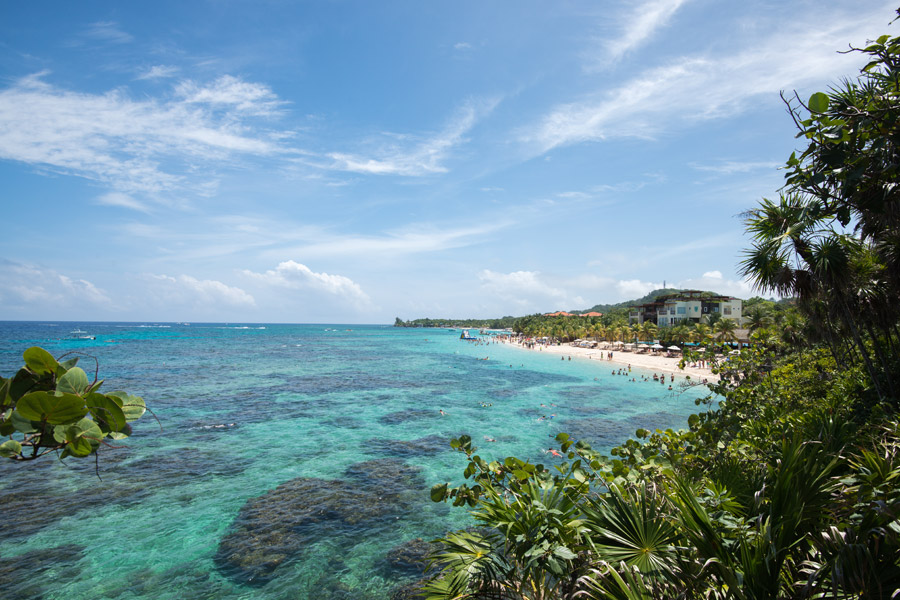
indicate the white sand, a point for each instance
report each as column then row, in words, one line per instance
column 659, row 363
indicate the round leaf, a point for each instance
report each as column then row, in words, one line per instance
column 39, row 360
column 438, row 492
column 10, row 448
column 55, row 410
column 132, row 406
column 75, row 381
column 107, row 413
column 818, row 102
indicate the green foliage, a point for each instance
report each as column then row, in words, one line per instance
column 786, row 486
column 51, row 406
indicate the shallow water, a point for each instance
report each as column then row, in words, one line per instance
column 289, row 461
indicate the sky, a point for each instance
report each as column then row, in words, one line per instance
column 355, row 161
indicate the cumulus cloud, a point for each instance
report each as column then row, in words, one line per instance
column 293, row 275
column 38, row 288
column 185, row 289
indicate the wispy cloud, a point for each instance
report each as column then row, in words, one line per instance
column 693, row 88
column 729, row 167
column 159, row 72
column 137, row 146
column 123, row 201
column 229, row 92
column 293, row 275
column 415, row 158
column 416, row 239
column 107, row 31
column 639, row 25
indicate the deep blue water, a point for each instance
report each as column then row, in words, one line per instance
column 289, row 461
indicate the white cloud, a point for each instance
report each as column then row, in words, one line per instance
column 107, row 31
column 640, row 24
column 462, row 45
column 518, row 283
column 630, row 289
column 714, row 281
column 34, row 287
column 144, row 146
column 185, row 289
column 729, row 167
column 228, row 91
column 706, row 87
column 293, row 275
column 420, row 158
column 416, row 239
column 159, row 72
column 122, row 200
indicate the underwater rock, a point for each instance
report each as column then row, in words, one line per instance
column 278, row 526
column 411, row 414
column 597, row 431
column 411, row 558
column 32, row 574
column 424, row 446
column 410, row 591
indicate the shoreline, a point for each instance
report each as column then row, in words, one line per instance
column 648, row 362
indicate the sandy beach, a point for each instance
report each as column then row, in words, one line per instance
column 653, row 363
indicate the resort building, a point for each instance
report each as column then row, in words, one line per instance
column 691, row 306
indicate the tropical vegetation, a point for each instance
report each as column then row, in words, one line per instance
column 785, row 484
column 50, row 406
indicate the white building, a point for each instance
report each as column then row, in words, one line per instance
column 689, row 306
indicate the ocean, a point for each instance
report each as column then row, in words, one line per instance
column 286, row 461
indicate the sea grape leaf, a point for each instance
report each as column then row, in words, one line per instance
column 21, row 424
column 438, row 492
column 39, row 360
column 22, row 383
column 55, row 410
column 10, row 448
column 107, row 413
column 68, row 364
column 132, row 406
column 78, row 447
column 75, row 381
column 121, row 434
column 818, row 102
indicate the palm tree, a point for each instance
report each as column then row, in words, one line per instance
column 649, row 331
column 724, row 330
column 702, row 333
column 757, row 318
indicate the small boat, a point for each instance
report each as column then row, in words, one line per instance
column 81, row 335
column 465, row 336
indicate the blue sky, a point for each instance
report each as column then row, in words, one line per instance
column 350, row 162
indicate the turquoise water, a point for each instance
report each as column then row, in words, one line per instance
column 289, row 461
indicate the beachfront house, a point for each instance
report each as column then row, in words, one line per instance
column 690, row 306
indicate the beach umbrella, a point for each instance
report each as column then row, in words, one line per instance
column 673, row 348
column 657, row 346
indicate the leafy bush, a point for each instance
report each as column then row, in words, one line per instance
column 50, row 406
